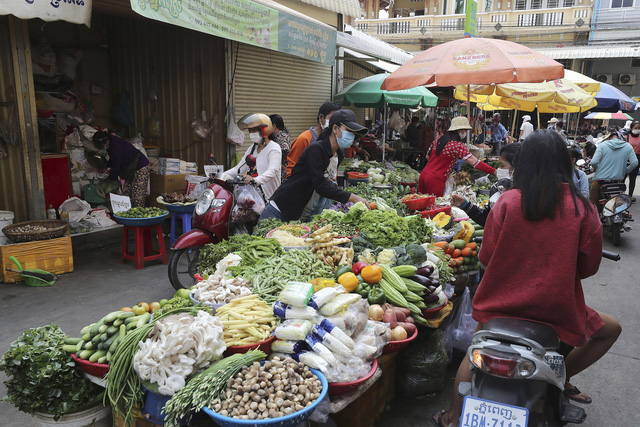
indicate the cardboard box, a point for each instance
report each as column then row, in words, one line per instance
column 167, row 183
column 53, row 255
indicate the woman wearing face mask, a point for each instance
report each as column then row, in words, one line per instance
column 267, row 153
column 443, row 155
column 507, row 159
column 634, row 140
column 308, row 175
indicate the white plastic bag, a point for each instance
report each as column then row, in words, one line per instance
column 235, row 135
column 249, row 205
column 396, row 122
column 195, row 185
column 460, row 331
column 449, row 185
column 76, row 207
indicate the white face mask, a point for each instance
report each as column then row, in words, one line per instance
column 255, row 137
column 462, row 135
column 636, row 131
column 324, row 124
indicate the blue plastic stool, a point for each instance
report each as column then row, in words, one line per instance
column 186, row 224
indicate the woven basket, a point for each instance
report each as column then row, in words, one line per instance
column 55, row 228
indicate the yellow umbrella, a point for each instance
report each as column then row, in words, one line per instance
column 556, row 96
column 583, row 82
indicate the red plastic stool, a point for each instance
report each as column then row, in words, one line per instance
column 143, row 245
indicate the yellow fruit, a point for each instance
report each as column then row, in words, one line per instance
column 138, row 309
column 154, row 306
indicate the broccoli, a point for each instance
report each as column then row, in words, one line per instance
column 417, row 253
column 360, row 243
column 404, row 260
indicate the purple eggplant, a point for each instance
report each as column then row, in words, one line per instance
column 425, row 271
column 424, row 281
column 430, row 298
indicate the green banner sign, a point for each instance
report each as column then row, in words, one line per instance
column 470, row 18
column 248, row 22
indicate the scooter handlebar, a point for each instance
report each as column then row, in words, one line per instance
column 610, row 255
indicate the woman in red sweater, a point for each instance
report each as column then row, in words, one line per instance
column 443, row 154
column 544, row 206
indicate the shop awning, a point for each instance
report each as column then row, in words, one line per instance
column 263, row 23
column 591, row 52
column 345, row 7
column 75, row 12
column 358, row 41
column 383, row 65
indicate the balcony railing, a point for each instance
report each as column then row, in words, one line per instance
column 500, row 23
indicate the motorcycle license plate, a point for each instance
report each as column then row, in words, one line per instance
column 485, row 413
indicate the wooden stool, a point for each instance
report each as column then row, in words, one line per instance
column 143, row 245
column 186, row 224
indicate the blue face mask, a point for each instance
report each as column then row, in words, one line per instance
column 346, row 140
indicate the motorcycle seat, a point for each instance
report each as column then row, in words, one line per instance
column 541, row 333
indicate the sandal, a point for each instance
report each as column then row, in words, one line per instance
column 436, row 418
column 572, row 394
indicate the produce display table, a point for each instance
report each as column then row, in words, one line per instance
column 143, row 245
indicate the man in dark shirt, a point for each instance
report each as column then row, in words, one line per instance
column 289, row 200
column 412, row 134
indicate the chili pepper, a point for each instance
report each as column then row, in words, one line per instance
column 376, row 295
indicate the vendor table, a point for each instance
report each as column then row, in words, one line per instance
column 143, row 251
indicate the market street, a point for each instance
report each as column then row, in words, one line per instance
column 101, row 284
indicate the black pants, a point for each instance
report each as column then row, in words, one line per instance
column 632, row 177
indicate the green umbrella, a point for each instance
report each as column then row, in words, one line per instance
column 367, row 93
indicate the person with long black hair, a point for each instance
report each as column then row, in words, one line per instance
column 280, row 136
column 444, row 153
column 544, row 206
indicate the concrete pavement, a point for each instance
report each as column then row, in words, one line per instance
column 101, row 284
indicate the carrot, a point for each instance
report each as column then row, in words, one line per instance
column 456, row 253
column 474, row 253
column 466, row 252
column 459, row 260
column 373, row 206
column 471, row 245
column 452, row 262
column 442, row 245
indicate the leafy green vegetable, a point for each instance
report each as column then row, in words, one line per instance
column 421, row 230
column 385, row 229
column 355, row 213
column 212, row 253
column 42, row 377
column 265, row 226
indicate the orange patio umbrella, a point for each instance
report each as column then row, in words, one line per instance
column 474, row 60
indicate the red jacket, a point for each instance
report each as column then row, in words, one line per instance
column 534, row 267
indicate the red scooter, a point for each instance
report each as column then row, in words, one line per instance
column 210, row 224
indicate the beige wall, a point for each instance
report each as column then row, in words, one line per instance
column 322, row 15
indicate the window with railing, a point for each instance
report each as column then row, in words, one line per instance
column 540, row 19
column 521, row 4
column 452, row 24
column 581, row 13
column 552, row 4
column 402, row 27
column 569, row 3
column 536, row 4
column 424, row 22
column 498, row 18
column 363, row 26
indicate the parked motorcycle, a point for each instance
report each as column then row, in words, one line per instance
column 613, row 208
column 210, row 224
column 518, row 376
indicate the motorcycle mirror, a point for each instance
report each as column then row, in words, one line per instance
column 616, row 205
column 580, row 162
column 501, row 186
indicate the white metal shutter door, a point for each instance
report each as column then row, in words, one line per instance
column 359, row 112
column 272, row 82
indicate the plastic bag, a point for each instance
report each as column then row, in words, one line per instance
column 372, row 339
column 396, row 122
column 296, row 294
column 449, row 185
column 249, row 205
column 195, row 185
column 293, row 329
column 461, row 327
column 422, row 365
column 76, row 207
column 339, row 303
column 235, row 135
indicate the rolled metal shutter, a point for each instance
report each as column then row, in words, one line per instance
column 272, row 82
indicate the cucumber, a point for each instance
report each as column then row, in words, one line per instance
column 118, row 322
column 112, row 330
column 101, row 346
column 80, row 346
column 111, row 317
column 110, row 341
column 143, row 319
column 108, row 356
column 478, row 233
column 114, row 345
column 131, row 320
column 104, row 337
column 86, row 329
column 97, row 355
column 86, row 354
column 413, row 286
column 125, row 315
column 131, row 326
column 89, row 346
column 94, row 328
column 96, row 340
column 72, row 341
column 69, row 348
column 87, row 337
column 102, row 360
column 102, row 329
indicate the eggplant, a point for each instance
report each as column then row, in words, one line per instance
column 430, row 298
column 431, row 288
column 425, row 271
column 424, row 281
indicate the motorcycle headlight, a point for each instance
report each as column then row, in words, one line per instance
column 218, row 203
column 204, row 201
